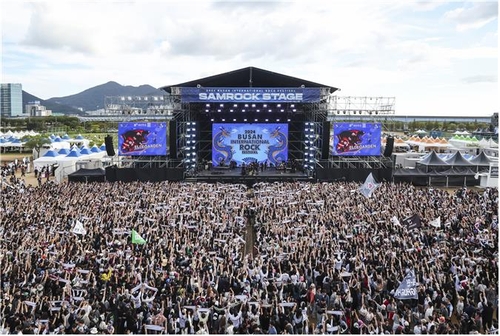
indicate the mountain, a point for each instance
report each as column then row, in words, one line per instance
column 93, row 99
column 56, row 108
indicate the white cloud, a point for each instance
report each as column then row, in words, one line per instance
column 480, row 79
column 365, row 48
column 473, row 17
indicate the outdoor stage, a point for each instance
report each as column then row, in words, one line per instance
column 235, row 176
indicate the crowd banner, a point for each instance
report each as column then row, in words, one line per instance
column 250, row 95
column 408, row 288
column 79, row 229
column 137, row 239
column 436, row 222
column 412, row 222
column 369, row 186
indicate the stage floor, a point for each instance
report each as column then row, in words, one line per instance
column 234, row 176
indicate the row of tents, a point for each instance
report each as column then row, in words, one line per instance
column 454, row 164
column 73, row 155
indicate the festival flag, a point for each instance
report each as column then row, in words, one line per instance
column 458, row 286
column 137, row 239
column 408, row 288
column 412, row 222
column 395, row 221
column 369, row 186
column 436, row 222
column 79, row 229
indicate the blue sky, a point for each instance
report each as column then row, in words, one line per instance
column 436, row 58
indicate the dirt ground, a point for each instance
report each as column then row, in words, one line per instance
column 30, row 178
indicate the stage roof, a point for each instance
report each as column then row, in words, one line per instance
column 250, row 77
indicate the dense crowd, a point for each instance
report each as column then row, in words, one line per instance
column 325, row 259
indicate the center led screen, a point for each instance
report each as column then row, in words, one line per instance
column 249, row 143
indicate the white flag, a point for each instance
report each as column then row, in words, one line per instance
column 369, row 186
column 436, row 222
column 395, row 221
column 79, row 229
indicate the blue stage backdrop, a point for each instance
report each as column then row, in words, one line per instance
column 356, row 139
column 142, row 138
column 249, row 142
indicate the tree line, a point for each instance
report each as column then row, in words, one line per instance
column 74, row 125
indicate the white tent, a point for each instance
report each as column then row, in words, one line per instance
column 44, row 161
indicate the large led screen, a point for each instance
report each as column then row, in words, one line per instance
column 356, row 139
column 249, row 143
column 142, row 138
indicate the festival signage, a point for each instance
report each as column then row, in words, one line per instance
column 356, row 139
column 412, row 222
column 408, row 288
column 250, row 95
column 142, row 138
column 249, row 143
column 494, row 171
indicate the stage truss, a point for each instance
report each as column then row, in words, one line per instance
column 361, row 109
column 340, row 106
column 170, row 107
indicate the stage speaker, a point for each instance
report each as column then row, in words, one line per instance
column 172, row 139
column 325, row 150
column 108, row 141
column 389, row 146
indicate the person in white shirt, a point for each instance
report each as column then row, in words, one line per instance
column 429, row 311
column 235, row 318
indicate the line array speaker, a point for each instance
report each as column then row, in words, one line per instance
column 389, row 146
column 325, row 150
column 172, row 139
column 108, row 141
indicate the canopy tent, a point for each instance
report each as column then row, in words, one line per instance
column 457, row 176
column 84, row 142
column 457, row 160
column 45, row 160
column 432, row 162
column 432, row 159
column 95, row 149
column 480, row 160
column 461, row 141
column 85, row 151
column 64, row 151
column 74, row 153
column 487, row 143
column 398, row 142
column 51, row 153
column 428, row 143
column 461, row 133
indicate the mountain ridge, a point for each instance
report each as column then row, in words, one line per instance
column 92, row 98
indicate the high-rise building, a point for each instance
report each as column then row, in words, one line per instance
column 11, row 100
